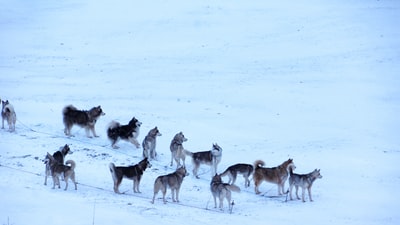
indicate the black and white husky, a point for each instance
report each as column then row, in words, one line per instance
column 211, row 157
column 83, row 118
column 129, row 132
column 149, row 144
column 134, row 173
column 241, row 168
column 8, row 114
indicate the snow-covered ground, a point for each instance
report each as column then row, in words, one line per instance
column 316, row 81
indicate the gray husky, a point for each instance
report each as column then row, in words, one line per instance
column 59, row 157
column 58, row 169
column 241, row 168
column 8, row 113
column 222, row 191
column 83, row 118
column 177, row 150
column 305, row 181
column 211, row 157
column 173, row 181
column 149, row 144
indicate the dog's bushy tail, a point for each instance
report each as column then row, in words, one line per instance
column 112, row 171
column 72, row 163
column 112, row 133
column 158, row 185
column 259, row 163
column 233, row 188
column 67, row 109
column 113, row 124
column 9, row 109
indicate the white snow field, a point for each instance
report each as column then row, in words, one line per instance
column 316, row 81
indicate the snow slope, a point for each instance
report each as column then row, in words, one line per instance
column 315, row 81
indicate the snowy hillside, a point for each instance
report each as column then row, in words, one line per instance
column 315, row 81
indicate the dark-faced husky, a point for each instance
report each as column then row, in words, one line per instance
column 305, row 181
column 211, row 157
column 59, row 157
column 8, row 114
column 177, row 150
column 277, row 175
column 149, row 143
column 222, row 191
column 83, row 118
column 128, row 132
column 134, row 173
column 173, row 181
column 241, row 168
column 58, row 169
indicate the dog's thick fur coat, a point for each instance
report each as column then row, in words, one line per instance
column 8, row 114
column 59, row 157
column 128, row 132
column 305, row 181
column 149, row 143
column 134, row 173
column 177, row 150
column 83, row 118
column 241, row 168
column 277, row 175
column 222, row 191
column 211, row 157
column 173, row 181
column 58, row 169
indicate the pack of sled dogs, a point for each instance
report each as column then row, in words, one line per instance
column 56, row 166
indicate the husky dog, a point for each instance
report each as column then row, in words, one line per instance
column 277, row 175
column 129, row 132
column 58, row 169
column 177, row 150
column 244, row 169
column 305, row 181
column 8, row 113
column 130, row 172
column 212, row 158
column 221, row 191
column 82, row 118
column 59, row 157
column 149, row 143
column 173, row 181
